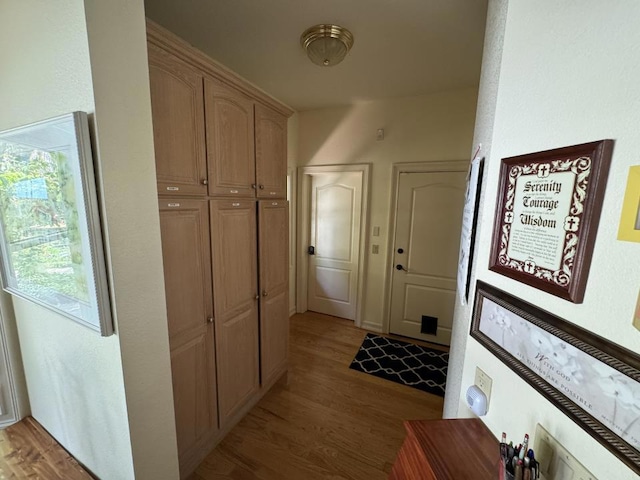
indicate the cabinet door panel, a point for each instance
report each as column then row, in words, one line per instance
column 274, row 287
column 230, row 142
column 237, row 363
column 177, row 106
column 233, row 234
column 184, row 229
column 194, row 391
column 271, row 153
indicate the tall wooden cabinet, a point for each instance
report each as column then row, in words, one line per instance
column 220, row 149
column 184, row 226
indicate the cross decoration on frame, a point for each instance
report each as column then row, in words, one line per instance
column 548, row 208
column 544, row 170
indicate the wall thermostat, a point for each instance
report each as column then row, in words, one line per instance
column 477, row 400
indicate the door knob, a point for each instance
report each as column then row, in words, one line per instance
column 400, row 267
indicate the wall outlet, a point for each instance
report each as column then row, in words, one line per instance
column 484, row 382
column 375, row 249
column 556, row 463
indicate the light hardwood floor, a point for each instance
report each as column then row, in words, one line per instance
column 28, row 451
column 328, row 422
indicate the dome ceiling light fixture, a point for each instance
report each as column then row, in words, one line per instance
column 326, row 45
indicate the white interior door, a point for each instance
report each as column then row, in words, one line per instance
column 336, row 202
column 428, row 220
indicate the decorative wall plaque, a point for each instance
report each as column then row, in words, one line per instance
column 593, row 381
column 547, row 215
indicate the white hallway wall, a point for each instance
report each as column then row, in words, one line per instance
column 426, row 128
column 568, row 75
column 483, row 133
column 107, row 400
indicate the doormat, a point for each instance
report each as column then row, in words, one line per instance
column 401, row 362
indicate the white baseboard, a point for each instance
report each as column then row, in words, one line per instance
column 374, row 327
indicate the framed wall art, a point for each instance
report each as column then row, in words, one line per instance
column 50, row 233
column 469, row 223
column 594, row 382
column 547, row 214
column 629, row 229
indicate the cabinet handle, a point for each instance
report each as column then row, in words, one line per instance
column 254, row 186
column 210, row 319
column 205, row 181
column 261, row 187
column 264, row 293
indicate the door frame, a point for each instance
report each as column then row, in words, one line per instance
column 304, row 228
column 292, row 196
column 398, row 168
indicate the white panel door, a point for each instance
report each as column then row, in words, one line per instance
column 336, row 201
column 428, row 219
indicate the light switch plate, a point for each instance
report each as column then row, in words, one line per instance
column 556, row 463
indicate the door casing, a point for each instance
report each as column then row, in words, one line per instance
column 304, row 227
column 292, row 184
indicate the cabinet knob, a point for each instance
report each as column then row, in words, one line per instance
column 254, row 186
column 210, row 319
column 205, row 181
column 257, row 297
column 264, row 293
column 261, row 187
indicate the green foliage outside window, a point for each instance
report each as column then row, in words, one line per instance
column 40, row 223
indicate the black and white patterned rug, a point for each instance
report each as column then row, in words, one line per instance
column 402, row 362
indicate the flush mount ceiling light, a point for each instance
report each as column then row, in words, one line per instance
column 326, row 45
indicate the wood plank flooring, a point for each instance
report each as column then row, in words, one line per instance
column 28, row 451
column 328, row 422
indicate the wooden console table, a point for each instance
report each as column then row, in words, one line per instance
column 447, row 450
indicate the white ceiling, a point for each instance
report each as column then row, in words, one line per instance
column 401, row 48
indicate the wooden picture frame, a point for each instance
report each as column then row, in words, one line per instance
column 50, row 232
column 547, row 214
column 594, row 382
